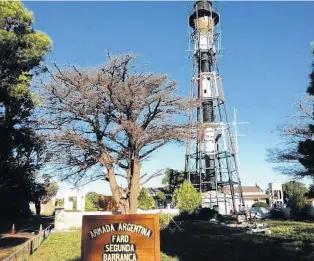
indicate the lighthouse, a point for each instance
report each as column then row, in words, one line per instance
column 210, row 160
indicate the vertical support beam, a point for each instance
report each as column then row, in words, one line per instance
column 226, row 210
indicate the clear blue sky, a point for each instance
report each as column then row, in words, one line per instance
column 265, row 64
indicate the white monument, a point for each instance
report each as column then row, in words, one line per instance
column 79, row 195
column 276, row 194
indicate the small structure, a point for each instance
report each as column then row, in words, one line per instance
column 259, row 228
column 74, row 199
column 276, row 194
column 161, row 204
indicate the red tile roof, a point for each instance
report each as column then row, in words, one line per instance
column 255, row 196
column 245, row 189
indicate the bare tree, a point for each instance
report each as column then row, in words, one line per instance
column 296, row 154
column 288, row 153
column 101, row 123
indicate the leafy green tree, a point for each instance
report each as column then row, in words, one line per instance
column 21, row 151
column 161, row 196
column 145, row 200
column 297, row 202
column 306, row 146
column 173, row 179
column 59, row 202
column 294, row 194
column 310, row 89
column 311, row 191
column 43, row 191
column 186, row 198
column 91, row 201
column 292, row 188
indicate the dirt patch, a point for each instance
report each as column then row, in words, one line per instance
column 11, row 243
column 27, row 225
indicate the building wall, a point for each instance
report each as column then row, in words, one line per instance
column 249, row 202
column 156, row 211
column 69, row 220
column 225, row 205
column 222, row 204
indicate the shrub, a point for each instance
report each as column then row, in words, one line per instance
column 276, row 214
column 161, row 196
column 91, row 201
column 164, row 220
column 304, row 214
column 164, row 257
column 186, row 216
column 59, row 202
column 220, row 218
column 186, row 197
column 260, row 205
column 145, row 200
column 296, row 202
column 207, row 214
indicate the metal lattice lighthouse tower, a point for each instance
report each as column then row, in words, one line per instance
column 211, row 163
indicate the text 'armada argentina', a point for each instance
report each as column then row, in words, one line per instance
column 125, row 227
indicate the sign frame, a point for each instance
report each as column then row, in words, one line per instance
column 109, row 219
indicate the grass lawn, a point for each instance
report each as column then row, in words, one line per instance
column 206, row 242
column 65, row 246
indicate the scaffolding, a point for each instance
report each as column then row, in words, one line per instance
column 211, row 154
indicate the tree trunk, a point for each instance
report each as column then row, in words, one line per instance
column 127, row 203
column 125, row 207
column 37, row 207
column 117, row 192
column 135, row 183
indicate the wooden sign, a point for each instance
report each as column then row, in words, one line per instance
column 121, row 238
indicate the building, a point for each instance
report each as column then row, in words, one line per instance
column 159, row 203
column 253, row 194
column 222, row 200
column 219, row 200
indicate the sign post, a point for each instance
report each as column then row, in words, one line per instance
column 121, row 238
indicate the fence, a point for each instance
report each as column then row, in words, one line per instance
column 28, row 249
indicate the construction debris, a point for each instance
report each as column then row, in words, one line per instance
column 262, row 228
